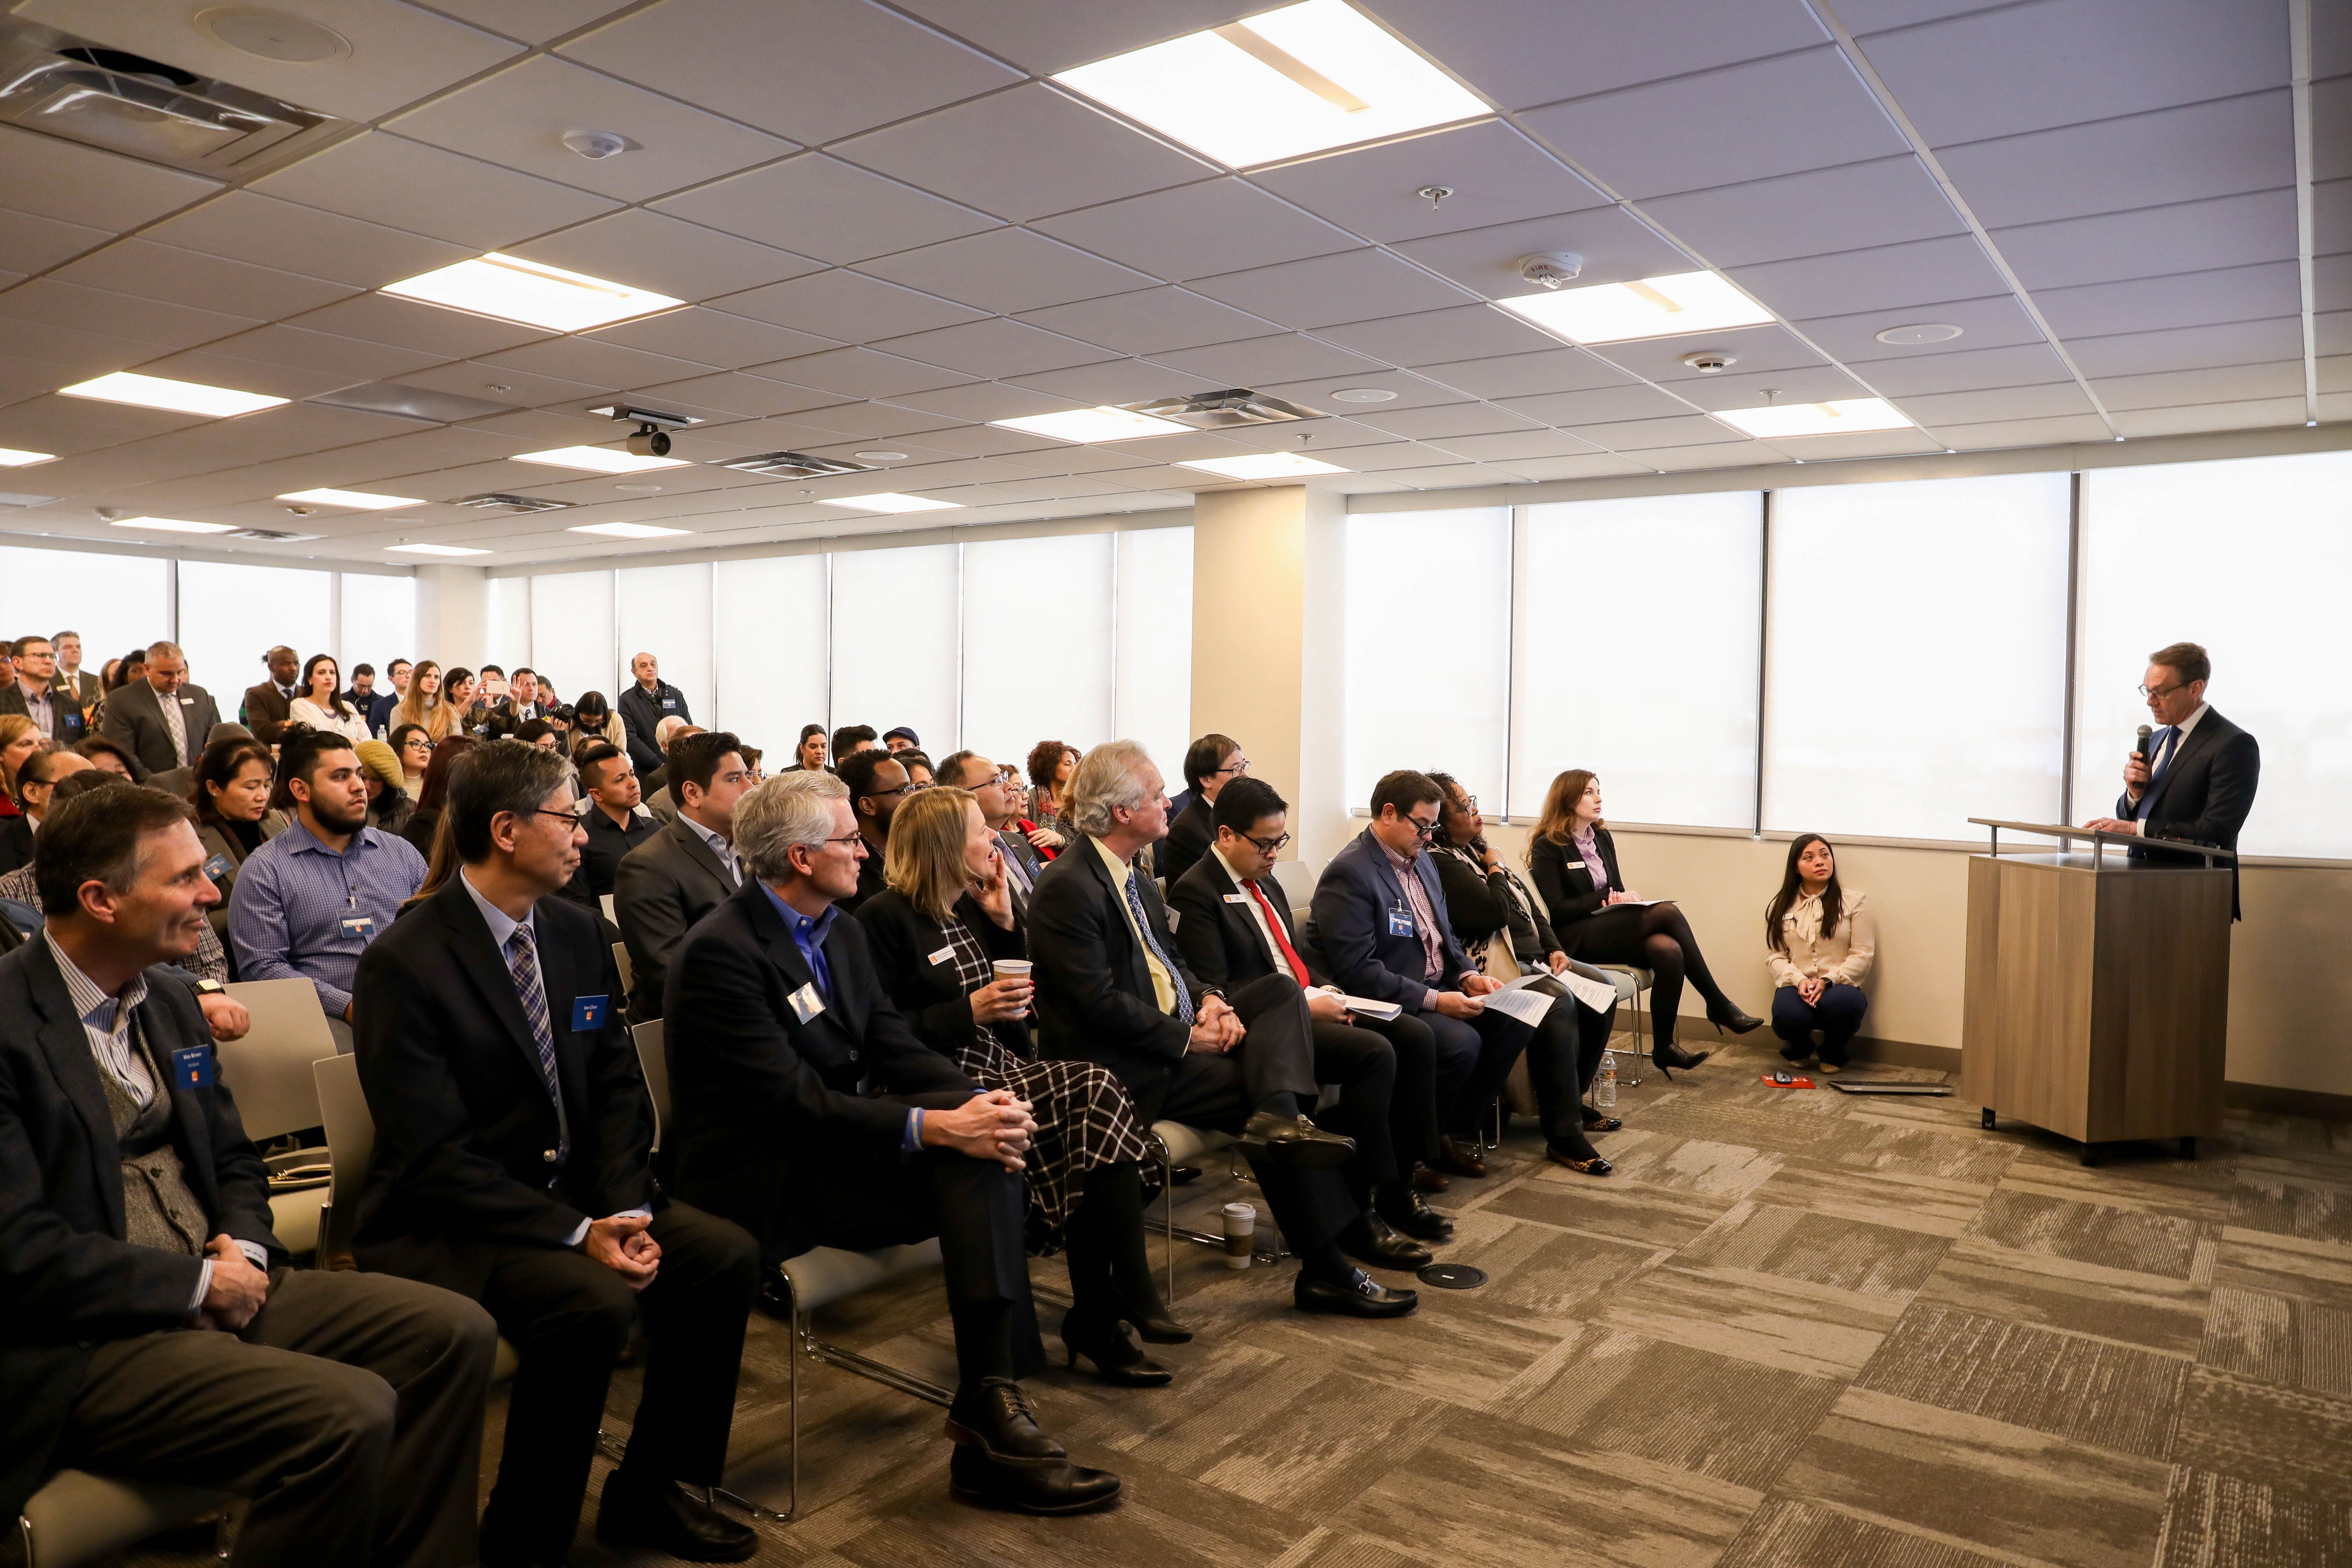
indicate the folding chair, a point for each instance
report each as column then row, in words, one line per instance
column 268, row 1072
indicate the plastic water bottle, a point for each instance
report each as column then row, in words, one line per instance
column 1605, row 1087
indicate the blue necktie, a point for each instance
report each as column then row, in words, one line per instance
column 523, row 961
column 2157, row 763
column 1143, row 929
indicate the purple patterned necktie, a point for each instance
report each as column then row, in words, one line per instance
column 523, row 961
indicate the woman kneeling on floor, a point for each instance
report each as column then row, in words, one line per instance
column 1820, row 938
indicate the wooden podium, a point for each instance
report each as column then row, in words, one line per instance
column 2098, row 988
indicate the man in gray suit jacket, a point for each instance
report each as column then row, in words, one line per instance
column 163, row 720
column 684, row 871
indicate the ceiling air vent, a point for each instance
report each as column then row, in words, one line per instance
column 63, row 85
column 273, row 535
column 1222, row 410
column 793, row 466
column 496, row 500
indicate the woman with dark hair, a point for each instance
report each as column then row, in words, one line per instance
column 319, row 703
column 459, row 690
column 1574, row 862
column 1050, row 764
column 808, row 755
column 427, row 818
column 1819, row 941
column 593, row 718
column 413, row 747
column 230, row 791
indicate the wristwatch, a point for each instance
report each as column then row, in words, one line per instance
column 211, row 988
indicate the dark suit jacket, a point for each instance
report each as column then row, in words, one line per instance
column 1349, row 921
column 379, row 712
column 929, row 995
column 663, row 887
column 84, row 688
column 768, row 1114
column 1190, row 834
column 1566, row 887
column 69, row 725
column 265, row 708
column 464, row 1124
column 640, row 715
column 16, row 842
column 1095, row 1001
column 2203, row 795
column 134, row 721
column 1221, row 940
column 68, row 1277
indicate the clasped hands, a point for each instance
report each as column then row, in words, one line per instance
column 235, row 1291
column 1216, row 1028
column 1811, row 988
column 623, row 1244
column 996, row 1126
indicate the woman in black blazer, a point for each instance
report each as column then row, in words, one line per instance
column 937, row 933
column 1574, row 863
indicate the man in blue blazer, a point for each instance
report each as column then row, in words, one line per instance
column 2196, row 781
column 1380, row 919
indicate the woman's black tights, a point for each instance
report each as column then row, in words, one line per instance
column 1671, row 953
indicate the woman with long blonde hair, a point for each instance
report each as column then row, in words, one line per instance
column 423, row 706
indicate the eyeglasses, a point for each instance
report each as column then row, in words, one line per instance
column 845, row 838
column 2159, row 690
column 1469, row 802
column 1267, row 845
column 569, row 819
column 887, row 794
column 1424, row 831
column 1237, row 766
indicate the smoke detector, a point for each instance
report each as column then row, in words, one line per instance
column 1551, row 268
column 1222, row 410
column 596, row 145
column 1710, row 362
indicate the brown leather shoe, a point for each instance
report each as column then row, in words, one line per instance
column 1429, row 1181
column 1459, row 1159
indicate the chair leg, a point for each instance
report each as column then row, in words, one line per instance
column 1634, row 1051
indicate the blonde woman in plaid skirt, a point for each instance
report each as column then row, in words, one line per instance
column 947, row 917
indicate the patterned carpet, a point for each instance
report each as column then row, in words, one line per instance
column 1795, row 1328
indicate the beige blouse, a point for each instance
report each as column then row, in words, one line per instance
column 1841, row 958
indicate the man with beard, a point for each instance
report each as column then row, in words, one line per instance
column 309, row 906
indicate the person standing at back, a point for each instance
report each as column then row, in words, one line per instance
column 267, row 706
column 2196, row 781
column 648, row 701
column 37, row 694
column 77, row 683
column 161, row 720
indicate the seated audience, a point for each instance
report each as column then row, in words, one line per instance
column 615, row 824
column 231, row 791
column 388, row 803
column 878, row 785
column 1379, row 921
column 425, row 819
column 154, row 1330
column 360, row 695
column 181, row 782
column 413, row 747
column 1234, row 927
column 593, row 718
column 1051, row 766
column 522, row 1178
column 751, row 756
column 920, row 775
column 161, row 721
column 936, row 933
column 1573, row 861
column 901, row 739
column 780, row 1039
column 1819, row 941
column 537, row 732
column 684, row 872
column 459, row 688
column 317, row 704
column 1112, row 987
column 808, row 757
column 851, row 738
column 665, row 734
column 311, row 901
column 424, row 705
column 109, row 756
column 994, row 789
column 1211, row 763
column 381, row 708
column 648, row 701
column 1502, row 929
column 20, row 738
column 37, row 782
column 41, row 694
column 265, row 707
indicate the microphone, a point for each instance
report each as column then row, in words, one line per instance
column 2140, row 749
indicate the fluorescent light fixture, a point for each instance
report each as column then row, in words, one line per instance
column 510, row 288
column 625, row 529
column 173, row 525
column 1100, row 424
column 890, row 500
column 1846, row 416
column 433, row 550
column 179, row 396
column 1300, row 80
column 599, row 460
column 362, row 500
column 10, row 457
column 1265, row 466
column 1652, row 307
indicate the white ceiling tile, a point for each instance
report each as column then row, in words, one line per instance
column 2026, row 364
column 2058, row 62
column 1151, row 321
column 983, row 400
column 2190, row 236
column 1600, row 466
column 29, row 243
column 1453, row 420
column 1598, row 406
column 1048, row 35
column 1521, row 375
column 1644, row 434
column 410, row 324
column 518, row 117
column 821, row 206
column 58, row 179
column 1007, row 270
column 863, row 373
column 2147, row 160
column 499, row 383
column 996, row 347
column 2333, row 331
column 1218, row 225
column 810, row 69
column 54, row 302
column 586, row 359
column 1995, row 322
column 1748, row 121
column 399, row 53
column 210, row 368
column 2254, row 414
column 685, row 260
column 1942, row 409
column 1885, row 277
column 1804, row 384
column 1255, row 360
column 2186, row 348
column 533, row 21
column 247, row 227
column 1352, row 286
column 354, row 359
column 1863, row 17
column 1024, row 153
column 70, row 425
column 1433, row 337
column 1114, row 381
column 870, row 421
column 1516, row 445
column 1525, row 52
column 1999, row 433
column 2332, row 282
column 1754, row 349
column 1851, row 207
column 1441, row 470
column 1867, row 444
column 845, row 306
column 387, row 179
column 208, row 282
column 1314, row 392
column 1616, row 247
column 711, row 337
column 1495, row 173
column 66, row 354
column 2184, row 300
column 2331, row 119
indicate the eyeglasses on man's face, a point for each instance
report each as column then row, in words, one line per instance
column 1267, row 845
column 1423, row 828
column 2152, row 691
column 1235, row 768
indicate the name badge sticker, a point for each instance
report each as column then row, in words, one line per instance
column 806, row 1003
column 1242, row 899
column 943, row 954
column 360, row 926
column 216, row 867
column 588, row 1013
column 187, row 703
column 192, row 1068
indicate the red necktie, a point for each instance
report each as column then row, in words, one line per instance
column 1274, row 924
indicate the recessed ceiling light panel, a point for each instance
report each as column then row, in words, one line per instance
column 179, row 396
column 890, row 500
column 1841, row 417
column 1265, row 466
column 1300, row 80
column 625, row 529
column 510, row 288
column 1100, row 424
column 359, row 500
column 172, row 525
column 10, row 457
column 433, row 550
column 599, row 460
column 1652, row 307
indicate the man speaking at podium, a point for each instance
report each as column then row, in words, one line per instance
column 2193, row 778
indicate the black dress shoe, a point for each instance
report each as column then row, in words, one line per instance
column 1294, row 1141
column 1668, row 1058
column 1735, row 1021
column 1402, row 1207
column 1371, row 1239
column 1429, row 1180
column 995, row 1416
column 669, row 1518
column 1360, row 1295
column 1059, row 1488
column 1117, row 1360
column 1460, row 1159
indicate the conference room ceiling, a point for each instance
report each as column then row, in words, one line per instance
column 889, row 228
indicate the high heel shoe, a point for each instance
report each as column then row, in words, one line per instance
column 1667, row 1058
column 1732, row 1019
column 1156, row 1326
column 1117, row 1360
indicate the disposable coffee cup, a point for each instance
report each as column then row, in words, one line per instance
column 1241, row 1226
column 1013, row 969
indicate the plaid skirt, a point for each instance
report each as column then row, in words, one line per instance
column 1084, row 1118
